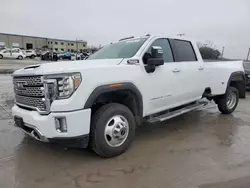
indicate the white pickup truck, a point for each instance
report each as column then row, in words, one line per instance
column 100, row 101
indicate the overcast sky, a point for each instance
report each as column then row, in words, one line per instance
column 224, row 22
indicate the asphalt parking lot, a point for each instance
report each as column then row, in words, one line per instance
column 202, row 149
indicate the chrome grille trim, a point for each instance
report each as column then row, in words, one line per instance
column 30, row 91
column 32, row 102
column 29, row 80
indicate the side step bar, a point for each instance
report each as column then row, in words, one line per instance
column 169, row 115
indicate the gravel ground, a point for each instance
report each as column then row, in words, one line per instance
column 200, row 149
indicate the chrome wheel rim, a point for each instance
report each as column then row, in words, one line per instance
column 116, row 131
column 231, row 100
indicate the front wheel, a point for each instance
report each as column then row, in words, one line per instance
column 20, row 57
column 1, row 56
column 229, row 101
column 112, row 130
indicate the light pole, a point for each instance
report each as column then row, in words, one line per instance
column 248, row 54
column 223, row 48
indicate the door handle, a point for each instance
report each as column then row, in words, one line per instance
column 200, row 68
column 176, row 70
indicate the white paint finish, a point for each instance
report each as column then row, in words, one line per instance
column 13, row 53
column 171, row 89
column 216, row 73
column 78, row 122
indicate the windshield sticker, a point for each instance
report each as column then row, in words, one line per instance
column 131, row 41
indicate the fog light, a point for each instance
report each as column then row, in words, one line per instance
column 61, row 124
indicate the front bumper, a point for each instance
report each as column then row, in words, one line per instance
column 42, row 127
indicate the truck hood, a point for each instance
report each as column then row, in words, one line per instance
column 65, row 66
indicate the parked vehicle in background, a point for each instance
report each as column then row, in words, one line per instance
column 48, row 56
column 85, row 55
column 14, row 53
column 2, row 48
column 247, row 73
column 30, row 53
column 67, row 55
column 45, row 56
column 60, row 55
column 38, row 52
column 99, row 102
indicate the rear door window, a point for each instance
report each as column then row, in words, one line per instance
column 183, row 50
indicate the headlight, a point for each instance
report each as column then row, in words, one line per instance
column 67, row 84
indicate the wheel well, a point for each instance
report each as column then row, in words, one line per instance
column 125, row 97
column 239, row 83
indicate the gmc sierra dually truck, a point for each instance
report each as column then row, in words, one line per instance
column 98, row 102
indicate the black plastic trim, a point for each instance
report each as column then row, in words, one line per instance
column 106, row 88
column 238, row 76
column 74, row 142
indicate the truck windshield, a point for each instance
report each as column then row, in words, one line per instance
column 122, row 49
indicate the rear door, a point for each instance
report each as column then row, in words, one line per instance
column 191, row 70
column 15, row 53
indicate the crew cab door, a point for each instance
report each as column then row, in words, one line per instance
column 163, row 85
column 191, row 70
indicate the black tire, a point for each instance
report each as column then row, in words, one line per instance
column 20, row 57
column 1, row 56
column 32, row 56
column 101, row 117
column 223, row 101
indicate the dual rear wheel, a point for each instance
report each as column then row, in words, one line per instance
column 229, row 101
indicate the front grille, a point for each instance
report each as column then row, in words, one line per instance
column 30, row 93
column 31, row 102
column 30, row 80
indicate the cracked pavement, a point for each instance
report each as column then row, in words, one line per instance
column 202, row 149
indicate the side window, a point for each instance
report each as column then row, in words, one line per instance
column 183, row 50
column 167, row 52
column 15, row 51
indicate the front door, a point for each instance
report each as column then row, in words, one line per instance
column 163, row 85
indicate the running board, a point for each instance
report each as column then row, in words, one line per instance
column 169, row 115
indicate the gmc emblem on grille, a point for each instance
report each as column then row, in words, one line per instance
column 20, row 85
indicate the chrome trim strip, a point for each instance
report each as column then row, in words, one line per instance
column 42, row 137
column 33, row 108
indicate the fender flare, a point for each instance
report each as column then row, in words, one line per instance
column 238, row 76
column 128, row 86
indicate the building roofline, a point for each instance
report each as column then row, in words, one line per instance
column 11, row 34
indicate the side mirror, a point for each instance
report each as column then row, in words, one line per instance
column 157, row 56
column 157, row 52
